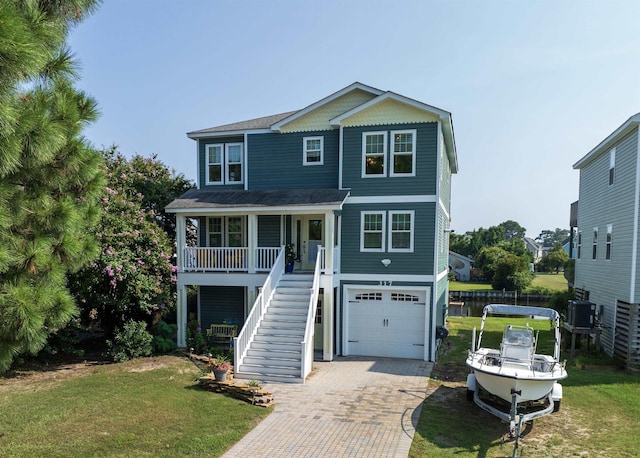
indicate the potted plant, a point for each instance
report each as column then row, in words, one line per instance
column 220, row 366
column 290, row 257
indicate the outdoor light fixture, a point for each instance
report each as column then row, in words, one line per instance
column 386, row 262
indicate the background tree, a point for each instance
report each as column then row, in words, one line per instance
column 555, row 260
column 506, row 270
column 158, row 185
column 50, row 178
column 548, row 238
column 470, row 243
column 133, row 277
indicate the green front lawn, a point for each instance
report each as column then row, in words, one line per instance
column 145, row 407
column 546, row 281
column 598, row 414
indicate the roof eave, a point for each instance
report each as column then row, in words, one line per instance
column 629, row 124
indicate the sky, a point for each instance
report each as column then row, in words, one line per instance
column 532, row 86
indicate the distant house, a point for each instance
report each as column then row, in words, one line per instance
column 534, row 248
column 608, row 236
column 460, row 265
column 358, row 185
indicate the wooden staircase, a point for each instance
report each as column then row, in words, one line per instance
column 274, row 354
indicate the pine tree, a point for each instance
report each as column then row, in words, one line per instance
column 50, row 178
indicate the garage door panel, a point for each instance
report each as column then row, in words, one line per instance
column 392, row 326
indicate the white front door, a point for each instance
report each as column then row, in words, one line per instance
column 310, row 237
column 384, row 322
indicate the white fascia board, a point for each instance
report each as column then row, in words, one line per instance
column 297, row 210
column 279, row 125
column 387, row 278
column 229, row 133
column 390, row 199
column 627, row 125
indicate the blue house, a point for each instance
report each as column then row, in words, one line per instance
column 357, row 185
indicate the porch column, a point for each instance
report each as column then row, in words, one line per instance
column 181, row 239
column 252, row 230
column 327, row 307
column 181, row 318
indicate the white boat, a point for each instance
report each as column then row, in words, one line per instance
column 515, row 372
column 515, row 369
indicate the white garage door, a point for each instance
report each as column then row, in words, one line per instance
column 386, row 323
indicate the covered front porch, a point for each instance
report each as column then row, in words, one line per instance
column 240, row 236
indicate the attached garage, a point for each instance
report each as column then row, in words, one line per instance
column 386, row 322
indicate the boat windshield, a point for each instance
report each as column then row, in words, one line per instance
column 519, row 337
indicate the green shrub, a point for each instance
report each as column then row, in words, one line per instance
column 132, row 341
column 164, row 337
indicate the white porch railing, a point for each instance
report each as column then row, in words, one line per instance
column 307, row 343
column 323, row 259
column 206, row 259
column 241, row 343
column 266, row 258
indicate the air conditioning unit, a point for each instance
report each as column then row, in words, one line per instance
column 582, row 314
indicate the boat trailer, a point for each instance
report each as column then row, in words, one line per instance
column 516, row 420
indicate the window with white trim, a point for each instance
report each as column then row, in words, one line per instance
column 609, row 242
column 226, row 231
column 401, row 231
column 225, row 163
column 374, row 152
column 372, row 233
column 214, row 164
column 404, row 297
column 403, row 152
column 594, row 254
column 612, row 165
column 234, row 163
column 313, row 151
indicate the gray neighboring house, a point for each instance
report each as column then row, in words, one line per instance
column 532, row 246
column 460, row 265
column 608, row 232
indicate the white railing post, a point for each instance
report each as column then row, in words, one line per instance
column 307, row 343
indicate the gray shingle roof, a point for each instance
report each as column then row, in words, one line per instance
column 285, row 197
column 257, row 123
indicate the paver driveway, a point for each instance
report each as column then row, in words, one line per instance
column 351, row 407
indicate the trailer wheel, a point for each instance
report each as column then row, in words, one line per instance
column 469, row 395
column 556, row 406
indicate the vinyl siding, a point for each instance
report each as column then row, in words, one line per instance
column 269, row 230
column 424, row 183
column 319, row 118
column 442, row 297
column 202, row 174
column 599, row 205
column 387, row 112
column 442, row 250
column 220, row 304
column 420, row 262
column 275, row 161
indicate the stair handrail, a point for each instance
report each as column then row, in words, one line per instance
column 248, row 331
column 307, row 344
